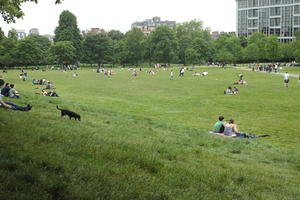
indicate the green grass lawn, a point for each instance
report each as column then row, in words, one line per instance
column 147, row 138
column 291, row 70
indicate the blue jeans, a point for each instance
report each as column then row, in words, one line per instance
column 16, row 107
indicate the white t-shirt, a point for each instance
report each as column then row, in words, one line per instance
column 286, row 76
column 1, row 95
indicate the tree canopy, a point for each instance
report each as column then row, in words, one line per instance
column 10, row 10
column 68, row 30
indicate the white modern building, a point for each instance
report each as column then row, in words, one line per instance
column 272, row 17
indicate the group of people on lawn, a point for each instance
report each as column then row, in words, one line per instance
column 10, row 91
column 10, row 105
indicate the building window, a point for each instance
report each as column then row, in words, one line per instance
column 275, row 22
column 297, row 9
column 242, row 4
column 252, row 23
column 253, row 13
column 275, row 2
column 297, row 20
column 263, row 2
column 275, row 11
column 252, row 3
column 287, row 1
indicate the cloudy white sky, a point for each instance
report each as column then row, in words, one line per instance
column 219, row 15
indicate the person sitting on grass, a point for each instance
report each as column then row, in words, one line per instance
column 228, row 90
column 219, row 125
column 13, row 93
column 10, row 105
column 230, row 129
column 235, row 90
column 5, row 90
column 49, row 94
column 49, row 86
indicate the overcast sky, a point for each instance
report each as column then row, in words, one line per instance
column 218, row 15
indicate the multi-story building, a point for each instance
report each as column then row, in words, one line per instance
column 216, row 34
column 21, row 33
column 149, row 25
column 272, row 17
column 93, row 31
column 34, row 31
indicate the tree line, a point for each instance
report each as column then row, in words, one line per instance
column 186, row 43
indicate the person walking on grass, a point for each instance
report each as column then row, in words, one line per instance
column 286, row 79
column 171, row 75
column 10, row 105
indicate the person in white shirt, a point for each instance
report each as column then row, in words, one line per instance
column 286, row 79
column 171, row 75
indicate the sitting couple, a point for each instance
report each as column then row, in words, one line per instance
column 230, row 129
column 10, row 105
column 229, row 90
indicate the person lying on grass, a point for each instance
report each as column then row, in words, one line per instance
column 230, row 129
column 10, row 105
column 49, row 94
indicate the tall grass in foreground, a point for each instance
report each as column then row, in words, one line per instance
column 146, row 138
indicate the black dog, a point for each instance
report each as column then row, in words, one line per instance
column 69, row 113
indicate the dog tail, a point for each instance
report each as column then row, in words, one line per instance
column 58, row 108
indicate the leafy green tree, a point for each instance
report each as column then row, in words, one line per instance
column 7, row 49
column 28, row 53
column 243, row 41
column 187, row 33
column 115, row 35
column 272, row 48
column 225, row 56
column 229, row 44
column 203, row 49
column 191, row 29
column 68, row 30
column 133, row 46
column 163, row 45
column 259, row 39
column 120, row 54
column 297, row 55
column 2, row 36
column 252, row 52
column 63, row 52
column 184, row 43
column 191, row 56
column 12, row 34
column 43, row 44
column 10, row 10
column 98, row 48
column 287, row 50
